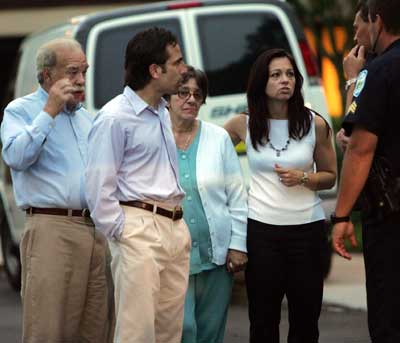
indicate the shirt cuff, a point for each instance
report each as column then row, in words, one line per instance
column 44, row 123
column 238, row 243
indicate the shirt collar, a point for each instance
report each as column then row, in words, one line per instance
column 42, row 93
column 44, row 96
column 391, row 46
column 139, row 105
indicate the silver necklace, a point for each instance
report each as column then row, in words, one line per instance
column 186, row 144
column 188, row 141
column 278, row 151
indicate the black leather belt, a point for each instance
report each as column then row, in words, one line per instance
column 59, row 212
column 176, row 214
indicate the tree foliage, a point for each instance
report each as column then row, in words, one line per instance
column 327, row 16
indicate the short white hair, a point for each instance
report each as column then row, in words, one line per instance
column 46, row 56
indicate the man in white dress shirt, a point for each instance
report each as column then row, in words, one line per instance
column 134, row 193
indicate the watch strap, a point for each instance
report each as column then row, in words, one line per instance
column 335, row 219
column 349, row 83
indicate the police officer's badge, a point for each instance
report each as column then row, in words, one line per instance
column 360, row 83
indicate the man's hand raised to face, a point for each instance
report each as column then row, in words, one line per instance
column 60, row 93
column 354, row 61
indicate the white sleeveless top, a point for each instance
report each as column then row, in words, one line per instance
column 269, row 200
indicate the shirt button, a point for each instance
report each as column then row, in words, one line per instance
column 194, row 243
column 183, row 156
column 186, row 176
column 192, row 221
column 189, row 197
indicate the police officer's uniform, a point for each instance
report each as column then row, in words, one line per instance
column 376, row 108
column 350, row 119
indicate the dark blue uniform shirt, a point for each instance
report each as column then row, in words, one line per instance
column 376, row 105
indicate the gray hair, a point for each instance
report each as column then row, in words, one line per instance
column 46, row 57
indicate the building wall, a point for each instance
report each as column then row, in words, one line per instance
column 36, row 15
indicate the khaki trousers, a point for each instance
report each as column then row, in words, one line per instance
column 150, row 267
column 66, row 292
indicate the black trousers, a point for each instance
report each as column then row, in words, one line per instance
column 381, row 243
column 285, row 260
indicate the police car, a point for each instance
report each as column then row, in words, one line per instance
column 221, row 37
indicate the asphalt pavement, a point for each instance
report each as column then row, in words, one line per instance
column 10, row 312
column 343, row 318
column 345, row 285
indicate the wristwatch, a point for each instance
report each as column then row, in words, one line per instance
column 335, row 220
column 349, row 83
column 304, row 179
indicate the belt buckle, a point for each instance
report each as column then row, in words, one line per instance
column 174, row 212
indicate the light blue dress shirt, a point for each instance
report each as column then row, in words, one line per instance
column 193, row 211
column 47, row 156
column 132, row 156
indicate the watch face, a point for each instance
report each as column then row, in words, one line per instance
column 304, row 179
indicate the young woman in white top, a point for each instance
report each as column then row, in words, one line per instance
column 291, row 156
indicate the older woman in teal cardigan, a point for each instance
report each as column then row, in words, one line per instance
column 215, row 210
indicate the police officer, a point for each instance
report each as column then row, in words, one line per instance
column 374, row 138
column 354, row 63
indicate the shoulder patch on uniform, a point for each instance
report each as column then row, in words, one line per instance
column 360, row 83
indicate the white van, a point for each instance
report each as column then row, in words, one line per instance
column 223, row 38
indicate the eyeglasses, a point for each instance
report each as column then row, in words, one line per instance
column 184, row 93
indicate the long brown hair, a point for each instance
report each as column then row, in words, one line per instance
column 299, row 116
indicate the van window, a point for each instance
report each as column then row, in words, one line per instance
column 230, row 43
column 110, row 56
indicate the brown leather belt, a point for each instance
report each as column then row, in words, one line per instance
column 176, row 214
column 59, row 212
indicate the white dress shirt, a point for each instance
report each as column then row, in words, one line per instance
column 132, row 156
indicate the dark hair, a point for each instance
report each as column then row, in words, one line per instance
column 144, row 49
column 362, row 7
column 201, row 80
column 257, row 101
column 389, row 11
column 200, row 77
